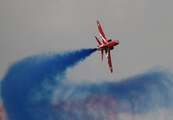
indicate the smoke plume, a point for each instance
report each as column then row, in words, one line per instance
column 36, row 88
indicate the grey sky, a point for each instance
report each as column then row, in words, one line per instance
column 143, row 27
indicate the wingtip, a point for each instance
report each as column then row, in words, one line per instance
column 111, row 69
column 97, row 21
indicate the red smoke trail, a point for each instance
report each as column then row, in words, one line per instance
column 136, row 95
column 3, row 115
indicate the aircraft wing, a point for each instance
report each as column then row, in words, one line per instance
column 102, row 35
column 108, row 55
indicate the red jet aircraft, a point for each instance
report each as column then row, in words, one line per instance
column 106, row 45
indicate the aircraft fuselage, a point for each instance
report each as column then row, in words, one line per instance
column 110, row 44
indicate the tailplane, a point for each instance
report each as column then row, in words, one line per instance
column 98, row 40
column 98, row 46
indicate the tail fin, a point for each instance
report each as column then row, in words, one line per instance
column 98, row 40
column 102, row 55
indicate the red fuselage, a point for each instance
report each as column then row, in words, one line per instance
column 110, row 44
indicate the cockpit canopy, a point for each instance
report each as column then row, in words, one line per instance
column 109, row 40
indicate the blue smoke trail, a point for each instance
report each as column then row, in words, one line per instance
column 27, row 77
column 35, row 88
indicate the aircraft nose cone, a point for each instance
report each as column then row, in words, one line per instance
column 117, row 42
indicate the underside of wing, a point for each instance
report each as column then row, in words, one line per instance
column 108, row 55
column 102, row 55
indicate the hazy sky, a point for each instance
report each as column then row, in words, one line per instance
column 143, row 27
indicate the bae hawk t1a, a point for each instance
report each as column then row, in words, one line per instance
column 106, row 45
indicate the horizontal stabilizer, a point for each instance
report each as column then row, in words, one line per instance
column 98, row 40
